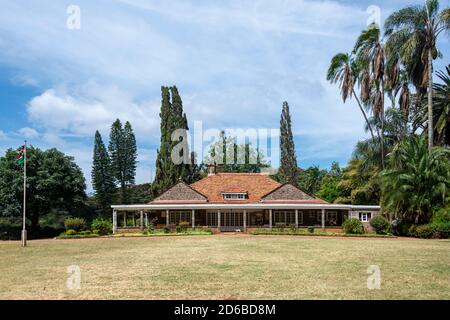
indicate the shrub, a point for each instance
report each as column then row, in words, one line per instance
column 380, row 225
column 441, row 215
column 311, row 229
column 77, row 224
column 411, row 231
column 280, row 225
column 425, row 231
column 179, row 229
column 151, row 228
column 70, row 232
column 442, row 230
column 403, row 228
column 166, row 229
column 103, row 226
column 184, row 225
column 353, row 226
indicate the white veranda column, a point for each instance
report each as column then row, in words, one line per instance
column 323, row 218
column 218, row 219
column 114, row 221
column 296, row 218
column 142, row 219
column 167, row 218
column 245, row 220
column 193, row 219
column 270, row 218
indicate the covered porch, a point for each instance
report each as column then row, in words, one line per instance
column 227, row 217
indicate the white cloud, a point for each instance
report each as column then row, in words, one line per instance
column 2, row 135
column 91, row 108
column 28, row 133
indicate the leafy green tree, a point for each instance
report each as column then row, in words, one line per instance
column 54, row 183
column 310, row 179
column 232, row 157
column 413, row 32
column 102, row 178
column 359, row 186
column 329, row 190
column 288, row 171
column 415, row 181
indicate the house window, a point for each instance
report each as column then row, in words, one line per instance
column 212, row 219
column 284, row 216
column 315, row 215
column 180, row 216
column 235, row 196
column 365, row 216
column 331, row 218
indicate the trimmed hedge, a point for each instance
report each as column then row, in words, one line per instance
column 77, row 224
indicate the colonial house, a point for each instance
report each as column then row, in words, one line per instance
column 237, row 202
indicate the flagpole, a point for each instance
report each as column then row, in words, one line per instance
column 24, row 230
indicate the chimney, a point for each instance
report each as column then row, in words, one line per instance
column 212, row 169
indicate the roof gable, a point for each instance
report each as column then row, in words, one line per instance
column 288, row 192
column 181, row 192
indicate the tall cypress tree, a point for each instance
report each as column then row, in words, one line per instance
column 102, row 179
column 172, row 118
column 130, row 154
column 123, row 153
column 163, row 179
column 179, row 121
column 117, row 155
column 288, row 167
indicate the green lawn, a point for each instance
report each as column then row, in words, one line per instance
column 226, row 267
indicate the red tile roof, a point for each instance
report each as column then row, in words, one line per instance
column 258, row 187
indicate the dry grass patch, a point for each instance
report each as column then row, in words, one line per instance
column 226, row 267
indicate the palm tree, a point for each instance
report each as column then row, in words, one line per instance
column 344, row 70
column 369, row 51
column 412, row 32
column 442, row 107
column 416, row 181
column 369, row 151
column 441, row 112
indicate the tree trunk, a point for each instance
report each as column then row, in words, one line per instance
column 382, row 127
column 364, row 114
column 430, row 102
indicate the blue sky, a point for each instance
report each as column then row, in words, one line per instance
column 234, row 63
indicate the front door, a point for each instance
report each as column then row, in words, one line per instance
column 231, row 221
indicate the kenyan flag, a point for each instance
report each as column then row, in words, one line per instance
column 20, row 159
